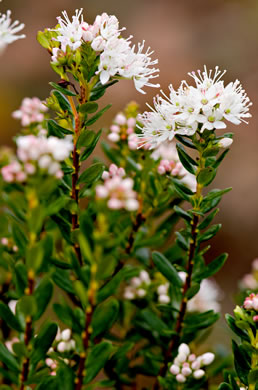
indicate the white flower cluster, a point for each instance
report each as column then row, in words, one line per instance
column 170, row 164
column 118, row 190
column 31, row 111
column 37, row 152
column 138, row 286
column 65, row 341
column 206, row 106
column 187, row 364
column 250, row 281
column 162, row 292
column 207, row 297
column 117, row 57
column 8, row 30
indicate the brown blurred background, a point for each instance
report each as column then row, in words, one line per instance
column 185, row 35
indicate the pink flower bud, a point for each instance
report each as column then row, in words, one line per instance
column 120, row 119
column 196, row 365
column 163, row 298
column 255, row 318
column 115, row 129
column 113, row 137
column 186, row 371
column 4, row 241
column 207, row 358
column 180, row 378
column 198, row 374
column 183, row 348
column 192, row 357
column 174, row 369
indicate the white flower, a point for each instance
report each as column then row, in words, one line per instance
column 174, row 369
column 70, row 32
column 8, row 30
column 207, row 358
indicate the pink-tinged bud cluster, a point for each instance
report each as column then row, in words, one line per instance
column 65, row 343
column 207, row 298
column 14, row 172
column 31, row 111
column 251, row 303
column 138, row 286
column 52, row 364
column 170, row 164
column 37, row 152
column 116, row 55
column 162, row 292
column 117, row 190
column 187, row 364
column 9, row 244
column 250, row 281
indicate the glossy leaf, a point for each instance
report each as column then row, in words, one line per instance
column 167, row 269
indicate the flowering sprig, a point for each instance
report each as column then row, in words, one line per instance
column 112, row 55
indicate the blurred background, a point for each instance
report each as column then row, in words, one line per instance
column 185, row 35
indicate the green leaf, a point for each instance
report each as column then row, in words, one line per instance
column 153, row 322
column 19, row 237
column 34, row 256
column 65, row 91
column 62, row 279
column 43, row 341
column 206, row 176
column 99, row 90
column 43, row 294
column 89, row 149
column 91, row 174
column 253, row 376
column 220, row 158
column 7, row 315
column 167, row 269
column 184, row 214
column 186, row 160
column 88, row 108
column 193, row 290
column 104, row 316
column 205, row 223
column 97, row 116
column 194, row 322
column 86, row 138
column 111, row 153
column 97, row 359
column 211, row 232
column 225, row 386
column 27, row 305
column 212, row 268
column 112, row 286
column 242, row 362
column 66, row 376
column 42, row 40
column 63, row 103
column 239, row 332
column 8, row 359
column 56, row 130
column 55, row 206
column 185, row 141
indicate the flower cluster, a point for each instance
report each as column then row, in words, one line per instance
column 65, row 343
column 207, row 297
column 122, row 129
column 251, row 303
column 187, row 364
column 31, row 111
column 250, row 281
column 117, row 57
column 137, row 287
column 118, row 190
column 42, row 152
column 8, row 30
column 162, row 292
column 205, row 106
column 170, row 164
